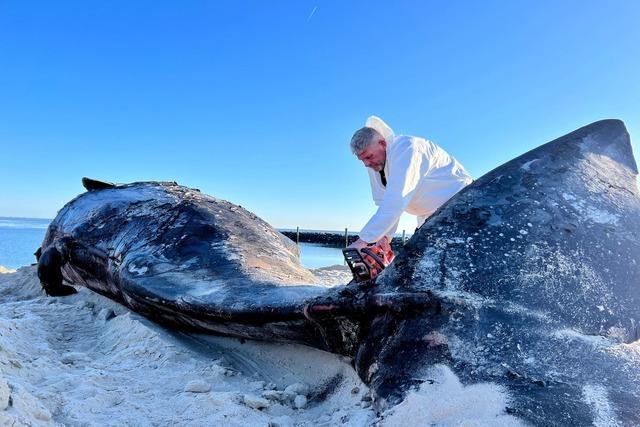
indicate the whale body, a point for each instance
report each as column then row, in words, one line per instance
column 528, row 278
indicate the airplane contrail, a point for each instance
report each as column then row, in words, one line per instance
column 312, row 13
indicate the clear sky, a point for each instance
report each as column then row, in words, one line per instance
column 255, row 101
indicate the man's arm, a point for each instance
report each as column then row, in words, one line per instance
column 405, row 173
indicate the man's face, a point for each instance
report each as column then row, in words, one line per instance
column 375, row 155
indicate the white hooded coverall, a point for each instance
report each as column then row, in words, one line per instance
column 420, row 177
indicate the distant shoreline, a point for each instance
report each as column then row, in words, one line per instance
column 27, row 218
column 282, row 230
column 331, row 238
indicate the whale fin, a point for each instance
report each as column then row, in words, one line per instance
column 94, row 184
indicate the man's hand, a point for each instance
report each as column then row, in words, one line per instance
column 358, row 244
column 381, row 248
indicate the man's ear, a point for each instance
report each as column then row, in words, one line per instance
column 383, row 143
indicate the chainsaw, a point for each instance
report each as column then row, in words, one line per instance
column 366, row 268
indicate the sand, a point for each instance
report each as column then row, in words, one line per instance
column 84, row 360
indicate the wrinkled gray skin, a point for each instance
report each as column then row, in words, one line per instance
column 528, row 278
column 182, row 257
column 537, row 266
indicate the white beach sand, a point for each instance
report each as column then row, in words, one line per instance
column 85, row 360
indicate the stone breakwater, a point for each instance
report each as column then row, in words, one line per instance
column 333, row 239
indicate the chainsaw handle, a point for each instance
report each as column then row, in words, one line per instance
column 375, row 257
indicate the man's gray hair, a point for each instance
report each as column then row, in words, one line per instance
column 362, row 138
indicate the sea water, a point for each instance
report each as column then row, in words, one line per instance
column 316, row 255
column 20, row 237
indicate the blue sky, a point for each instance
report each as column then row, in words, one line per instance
column 255, row 102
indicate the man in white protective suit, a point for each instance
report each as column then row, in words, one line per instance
column 407, row 174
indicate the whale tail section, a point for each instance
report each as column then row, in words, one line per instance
column 50, row 264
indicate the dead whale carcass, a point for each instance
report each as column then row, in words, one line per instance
column 528, row 278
